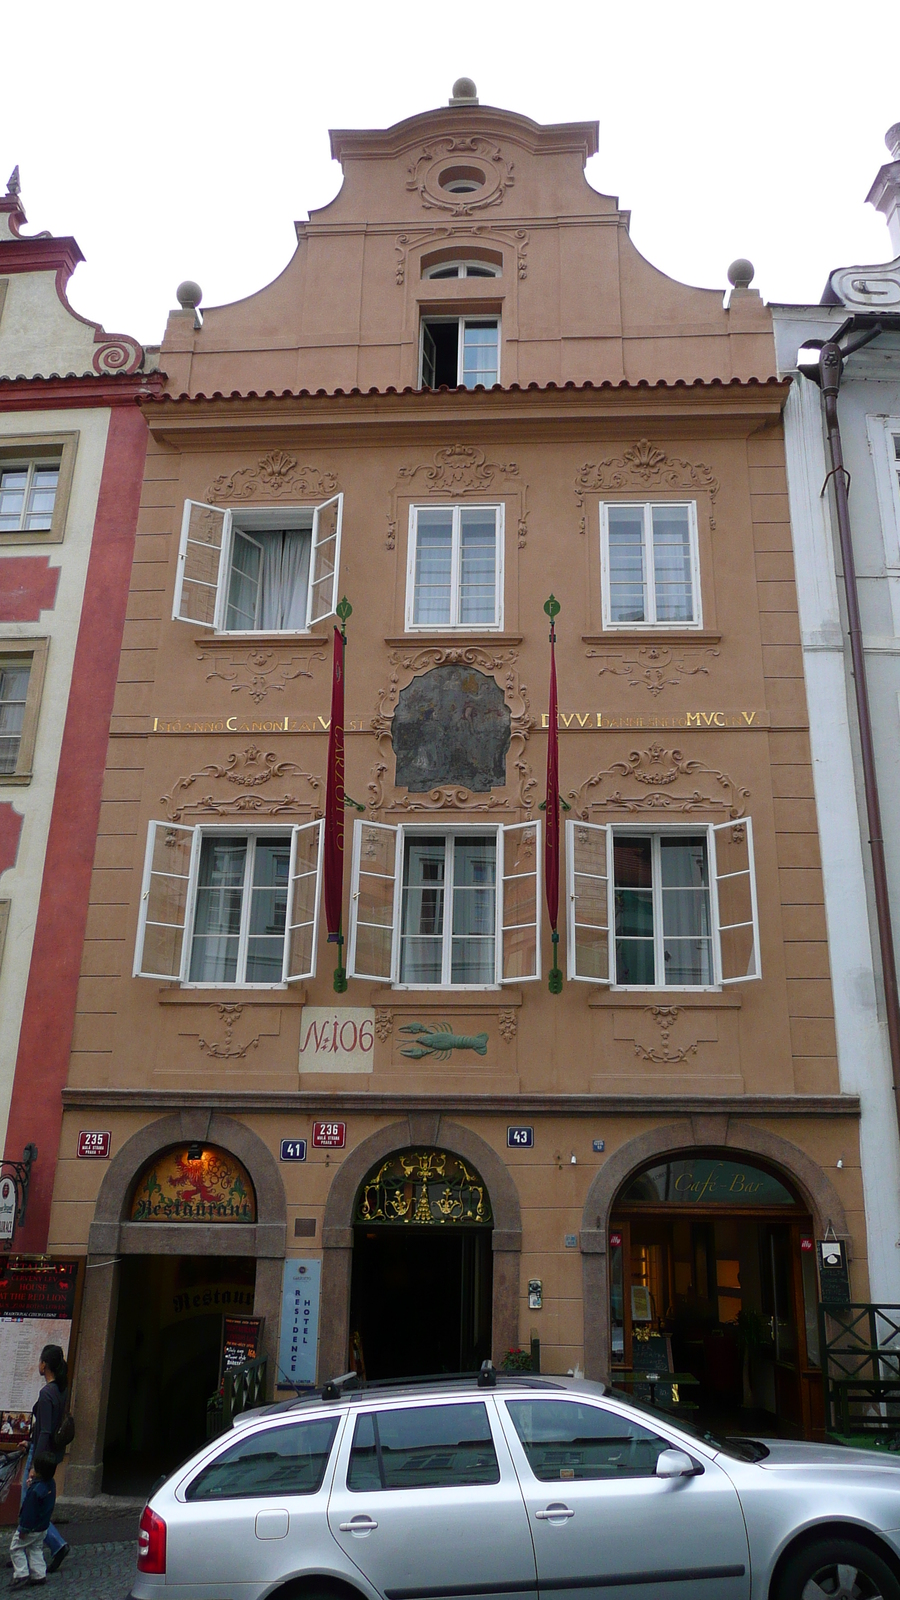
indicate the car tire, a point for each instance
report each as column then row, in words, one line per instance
column 837, row 1569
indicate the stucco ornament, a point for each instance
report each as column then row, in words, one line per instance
column 459, row 469
column 449, row 233
column 276, row 475
column 644, row 466
column 659, row 780
column 653, row 667
column 470, row 154
column 259, row 670
column 239, row 780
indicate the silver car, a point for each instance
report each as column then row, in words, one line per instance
column 514, row 1486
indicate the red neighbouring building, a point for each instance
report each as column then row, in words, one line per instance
column 72, row 447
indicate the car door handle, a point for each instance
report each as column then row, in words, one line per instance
column 556, row 1513
column 363, row 1524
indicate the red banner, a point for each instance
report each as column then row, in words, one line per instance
column 551, row 847
column 334, row 798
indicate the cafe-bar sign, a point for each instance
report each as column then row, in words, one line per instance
column 706, row 1181
column 194, row 1184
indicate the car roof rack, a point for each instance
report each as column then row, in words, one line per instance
column 352, row 1383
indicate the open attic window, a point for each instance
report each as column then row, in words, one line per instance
column 460, row 350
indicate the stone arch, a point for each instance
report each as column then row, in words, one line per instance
column 337, row 1229
column 711, row 1132
column 111, row 1236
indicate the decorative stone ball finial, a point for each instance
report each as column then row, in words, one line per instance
column 892, row 140
column 740, row 273
column 189, row 295
column 464, row 93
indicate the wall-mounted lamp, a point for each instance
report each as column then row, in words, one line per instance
column 195, row 1150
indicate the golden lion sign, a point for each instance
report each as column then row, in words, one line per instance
column 194, row 1183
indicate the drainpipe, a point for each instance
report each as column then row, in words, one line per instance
column 832, row 356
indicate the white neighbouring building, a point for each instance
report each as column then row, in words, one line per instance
column 72, row 446
column 869, row 417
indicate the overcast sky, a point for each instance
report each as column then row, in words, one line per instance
column 182, row 140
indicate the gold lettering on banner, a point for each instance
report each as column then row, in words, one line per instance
column 591, row 721
column 234, row 724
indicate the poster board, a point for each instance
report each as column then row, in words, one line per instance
column 39, row 1300
column 241, row 1341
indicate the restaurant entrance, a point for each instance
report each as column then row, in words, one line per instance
column 713, row 1278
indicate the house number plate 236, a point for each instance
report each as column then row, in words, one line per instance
column 329, row 1135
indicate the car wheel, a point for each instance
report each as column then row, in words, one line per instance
column 837, row 1569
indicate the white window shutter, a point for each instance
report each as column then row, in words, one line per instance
column 519, row 875
column 301, row 932
column 589, row 952
column 325, row 560
column 201, row 556
column 375, row 901
column 737, row 915
column 170, row 871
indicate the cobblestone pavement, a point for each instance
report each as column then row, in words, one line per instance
column 101, row 1564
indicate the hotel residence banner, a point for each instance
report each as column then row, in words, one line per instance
column 299, row 1324
column 37, row 1302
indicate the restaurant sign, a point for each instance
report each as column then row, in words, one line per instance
column 194, row 1184
column 706, row 1181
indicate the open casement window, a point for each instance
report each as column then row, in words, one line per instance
column 326, row 557
column 221, row 908
column 170, row 870
column 445, row 908
column 520, row 902
column 374, row 900
column 736, row 911
column 205, row 536
column 588, row 873
column 304, row 899
column 258, row 578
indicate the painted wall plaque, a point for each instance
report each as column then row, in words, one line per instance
column 337, row 1038
column 194, row 1184
column 451, row 725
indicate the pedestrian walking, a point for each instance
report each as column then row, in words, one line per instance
column 48, row 1415
column 27, row 1546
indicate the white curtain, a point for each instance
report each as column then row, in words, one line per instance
column 284, row 580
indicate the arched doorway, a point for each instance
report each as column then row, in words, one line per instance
column 421, row 1287
column 159, row 1249
column 712, row 1275
column 180, row 1315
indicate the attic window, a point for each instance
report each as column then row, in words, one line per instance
column 460, row 350
column 462, row 180
column 462, row 269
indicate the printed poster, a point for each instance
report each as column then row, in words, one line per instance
column 299, row 1324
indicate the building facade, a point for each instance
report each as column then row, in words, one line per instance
column 859, row 301
column 467, row 389
column 72, row 444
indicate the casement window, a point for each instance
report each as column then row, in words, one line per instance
column 671, row 908
column 22, row 665
column 460, row 350
column 455, row 570
column 649, row 565
column 462, row 269
column 228, row 906
column 28, row 495
column 457, row 907
column 36, row 471
column 269, row 571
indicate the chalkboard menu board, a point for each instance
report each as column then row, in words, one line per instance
column 834, row 1272
column 241, row 1339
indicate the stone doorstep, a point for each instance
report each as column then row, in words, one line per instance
column 78, row 1508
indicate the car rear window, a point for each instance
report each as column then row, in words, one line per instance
column 423, row 1447
column 286, row 1460
column 565, row 1439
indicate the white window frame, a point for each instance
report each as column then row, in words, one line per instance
column 882, row 431
column 198, row 832
column 461, row 318
column 457, row 507
column 650, row 625
column 717, row 928
column 401, row 832
column 259, row 519
column 30, row 465
column 485, row 269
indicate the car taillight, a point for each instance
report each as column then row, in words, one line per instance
column 151, row 1542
